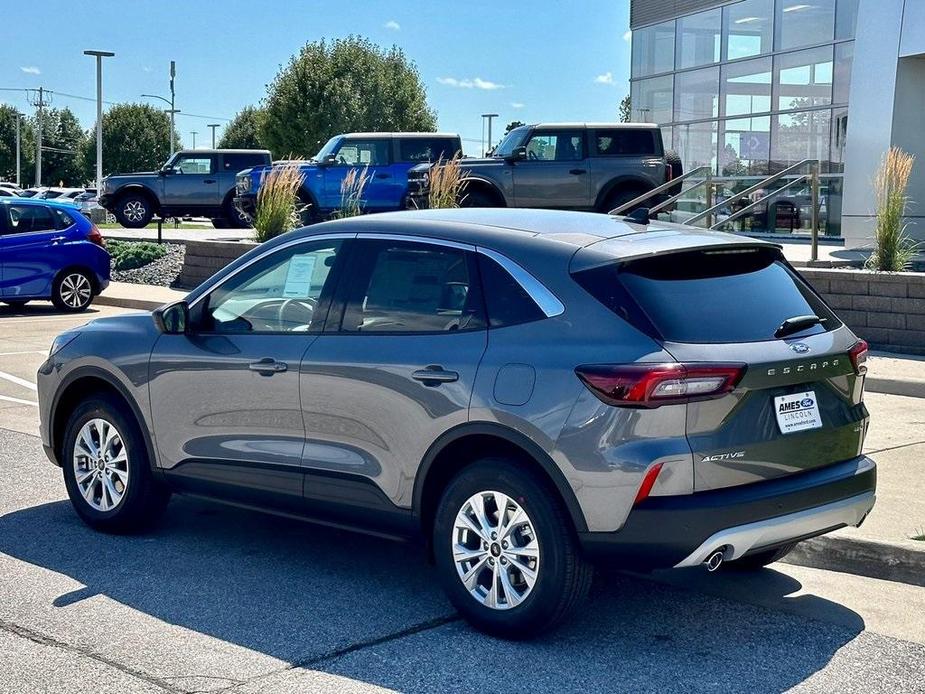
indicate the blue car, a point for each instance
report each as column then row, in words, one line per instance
column 48, row 250
column 387, row 157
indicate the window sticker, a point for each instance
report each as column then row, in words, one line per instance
column 299, row 277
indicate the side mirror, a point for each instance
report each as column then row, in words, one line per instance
column 166, row 170
column 328, row 160
column 517, row 154
column 172, row 319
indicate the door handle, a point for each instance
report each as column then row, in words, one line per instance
column 209, row 180
column 267, row 366
column 434, row 375
column 57, row 240
column 578, row 172
column 383, row 175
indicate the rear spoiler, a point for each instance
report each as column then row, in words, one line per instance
column 652, row 242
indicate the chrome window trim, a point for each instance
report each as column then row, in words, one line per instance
column 289, row 244
column 547, row 301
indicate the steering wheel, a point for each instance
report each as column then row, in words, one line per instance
column 308, row 305
column 531, row 155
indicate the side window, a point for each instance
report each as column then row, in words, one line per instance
column 507, row 302
column 277, row 294
column 25, row 219
column 556, row 146
column 363, row 152
column 193, row 164
column 62, row 219
column 623, row 141
column 425, row 149
column 407, row 287
column 232, row 163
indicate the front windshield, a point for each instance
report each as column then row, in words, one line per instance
column 329, row 148
column 511, row 140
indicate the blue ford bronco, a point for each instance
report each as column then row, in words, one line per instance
column 389, row 157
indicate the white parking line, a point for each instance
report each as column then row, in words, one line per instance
column 31, row 351
column 18, row 400
column 17, row 380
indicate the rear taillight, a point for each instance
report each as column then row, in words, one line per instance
column 653, row 385
column 96, row 237
column 858, row 355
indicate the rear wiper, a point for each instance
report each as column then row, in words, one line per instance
column 796, row 324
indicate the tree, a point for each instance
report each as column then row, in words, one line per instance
column 625, row 109
column 135, row 138
column 62, row 147
column 513, row 124
column 346, row 85
column 8, row 146
column 243, row 132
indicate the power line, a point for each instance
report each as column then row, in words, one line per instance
column 108, row 103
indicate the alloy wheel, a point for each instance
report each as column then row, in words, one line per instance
column 495, row 550
column 101, row 464
column 76, row 291
column 134, row 211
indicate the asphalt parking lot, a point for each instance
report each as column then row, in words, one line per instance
column 218, row 599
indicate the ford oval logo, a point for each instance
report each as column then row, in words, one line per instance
column 806, row 402
column 799, row 348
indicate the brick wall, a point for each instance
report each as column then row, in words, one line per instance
column 885, row 308
column 204, row 258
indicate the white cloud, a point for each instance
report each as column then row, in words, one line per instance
column 516, row 104
column 606, row 78
column 474, row 83
column 627, row 36
column 31, row 70
column 393, row 25
column 146, row 68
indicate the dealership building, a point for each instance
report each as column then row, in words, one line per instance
column 751, row 87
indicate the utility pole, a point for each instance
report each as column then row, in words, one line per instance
column 194, row 133
column 37, row 99
column 173, row 108
column 489, row 116
column 99, row 55
column 213, row 126
column 18, row 128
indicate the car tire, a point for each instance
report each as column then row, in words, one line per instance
column 477, row 198
column 72, row 291
column 219, row 223
column 233, row 218
column 122, row 495
column 758, row 560
column 134, row 211
column 621, row 197
column 677, row 170
column 464, row 551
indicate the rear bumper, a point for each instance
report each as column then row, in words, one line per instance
column 676, row 531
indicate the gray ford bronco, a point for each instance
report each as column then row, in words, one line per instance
column 193, row 182
column 570, row 166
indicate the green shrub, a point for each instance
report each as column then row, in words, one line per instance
column 129, row 255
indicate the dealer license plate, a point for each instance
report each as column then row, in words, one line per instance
column 797, row 412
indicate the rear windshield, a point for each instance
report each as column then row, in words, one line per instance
column 740, row 295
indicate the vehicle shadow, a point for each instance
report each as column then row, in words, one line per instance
column 302, row 594
column 41, row 309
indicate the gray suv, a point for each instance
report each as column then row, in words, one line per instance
column 529, row 392
column 197, row 183
column 570, row 166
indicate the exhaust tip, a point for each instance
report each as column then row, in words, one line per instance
column 715, row 560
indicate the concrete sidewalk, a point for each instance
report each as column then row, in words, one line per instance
column 206, row 233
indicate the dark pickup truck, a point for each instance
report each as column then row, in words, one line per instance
column 198, row 183
column 577, row 166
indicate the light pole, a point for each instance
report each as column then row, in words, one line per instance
column 194, row 133
column 489, row 116
column 213, row 126
column 18, row 127
column 99, row 55
column 170, row 111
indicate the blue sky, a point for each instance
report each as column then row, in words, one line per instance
column 530, row 61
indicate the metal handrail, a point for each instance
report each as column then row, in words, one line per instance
column 655, row 191
column 674, row 198
column 751, row 189
column 748, row 208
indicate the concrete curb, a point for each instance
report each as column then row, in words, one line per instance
column 910, row 387
column 902, row 562
column 125, row 302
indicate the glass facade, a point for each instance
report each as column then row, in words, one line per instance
column 750, row 88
